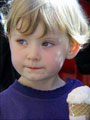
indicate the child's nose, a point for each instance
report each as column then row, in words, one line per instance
column 34, row 53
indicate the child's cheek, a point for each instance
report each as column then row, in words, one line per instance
column 60, row 57
column 17, row 58
column 54, row 60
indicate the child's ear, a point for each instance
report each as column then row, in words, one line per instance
column 73, row 50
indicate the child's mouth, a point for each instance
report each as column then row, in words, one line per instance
column 34, row 68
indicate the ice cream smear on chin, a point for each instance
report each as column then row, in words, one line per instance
column 79, row 95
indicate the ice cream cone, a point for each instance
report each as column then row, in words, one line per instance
column 79, row 110
column 79, row 103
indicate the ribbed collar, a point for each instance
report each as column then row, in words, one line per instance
column 28, row 91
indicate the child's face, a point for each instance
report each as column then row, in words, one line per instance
column 38, row 58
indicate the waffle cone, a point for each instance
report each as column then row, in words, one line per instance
column 77, row 110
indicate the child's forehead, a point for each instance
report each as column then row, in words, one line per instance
column 38, row 33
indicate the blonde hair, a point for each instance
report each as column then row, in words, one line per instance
column 68, row 15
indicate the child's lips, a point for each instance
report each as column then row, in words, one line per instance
column 34, row 68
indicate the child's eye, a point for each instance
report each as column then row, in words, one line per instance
column 47, row 44
column 22, row 42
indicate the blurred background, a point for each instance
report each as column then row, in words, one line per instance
column 77, row 68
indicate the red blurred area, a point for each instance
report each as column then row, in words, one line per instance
column 70, row 70
column 86, row 6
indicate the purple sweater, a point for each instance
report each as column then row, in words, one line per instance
column 19, row 102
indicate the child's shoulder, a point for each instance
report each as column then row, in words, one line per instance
column 5, row 93
column 73, row 83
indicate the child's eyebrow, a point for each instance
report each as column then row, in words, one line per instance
column 47, row 38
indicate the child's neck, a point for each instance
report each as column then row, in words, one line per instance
column 43, row 84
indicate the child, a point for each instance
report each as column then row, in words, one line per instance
column 42, row 34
